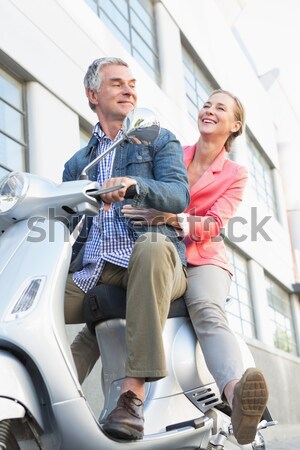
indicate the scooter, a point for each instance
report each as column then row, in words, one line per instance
column 42, row 404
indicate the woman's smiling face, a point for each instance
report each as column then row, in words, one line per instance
column 217, row 116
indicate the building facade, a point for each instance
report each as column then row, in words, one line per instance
column 179, row 52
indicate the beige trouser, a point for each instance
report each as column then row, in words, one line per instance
column 208, row 287
column 155, row 277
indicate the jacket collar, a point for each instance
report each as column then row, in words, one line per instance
column 98, row 134
column 93, row 143
column 208, row 176
column 97, row 137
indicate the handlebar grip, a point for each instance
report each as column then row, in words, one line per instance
column 132, row 191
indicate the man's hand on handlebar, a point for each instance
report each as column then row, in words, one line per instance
column 118, row 195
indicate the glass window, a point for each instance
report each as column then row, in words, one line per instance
column 3, row 171
column 10, row 90
column 133, row 23
column 240, row 309
column 261, row 177
column 280, row 317
column 12, row 119
column 197, row 86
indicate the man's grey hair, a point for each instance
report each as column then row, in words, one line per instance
column 92, row 79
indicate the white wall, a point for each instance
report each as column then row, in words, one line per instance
column 53, row 132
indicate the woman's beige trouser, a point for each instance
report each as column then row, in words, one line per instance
column 208, row 288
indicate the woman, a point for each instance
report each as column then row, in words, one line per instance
column 216, row 188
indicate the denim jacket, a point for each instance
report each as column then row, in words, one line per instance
column 160, row 173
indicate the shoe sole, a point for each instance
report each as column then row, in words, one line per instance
column 123, row 432
column 249, row 403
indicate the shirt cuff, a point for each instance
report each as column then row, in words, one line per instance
column 184, row 223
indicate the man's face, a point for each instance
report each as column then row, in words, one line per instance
column 117, row 94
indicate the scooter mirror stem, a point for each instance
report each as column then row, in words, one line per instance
column 83, row 175
column 140, row 125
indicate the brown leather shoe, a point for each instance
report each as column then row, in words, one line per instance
column 249, row 402
column 126, row 421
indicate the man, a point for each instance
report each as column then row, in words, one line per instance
column 149, row 265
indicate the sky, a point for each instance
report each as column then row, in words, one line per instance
column 270, row 29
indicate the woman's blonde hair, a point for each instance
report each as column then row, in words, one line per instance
column 239, row 114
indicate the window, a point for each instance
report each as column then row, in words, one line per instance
column 197, row 85
column 133, row 23
column 240, row 309
column 3, row 171
column 280, row 317
column 261, row 179
column 12, row 118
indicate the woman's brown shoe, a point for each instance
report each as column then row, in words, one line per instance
column 126, row 421
column 249, row 402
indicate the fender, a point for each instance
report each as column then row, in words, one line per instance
column 9, row 409
column 17, row 392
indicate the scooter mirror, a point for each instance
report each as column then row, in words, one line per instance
column 140, row 125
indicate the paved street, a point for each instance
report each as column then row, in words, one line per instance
column 289, row 444
column 283, row 437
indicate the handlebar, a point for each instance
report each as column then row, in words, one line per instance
column 130, row 192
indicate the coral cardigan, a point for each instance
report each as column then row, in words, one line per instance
column 216, row 195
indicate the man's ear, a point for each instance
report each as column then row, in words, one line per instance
column 91, row 95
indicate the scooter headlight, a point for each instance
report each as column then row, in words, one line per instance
column 13, row 187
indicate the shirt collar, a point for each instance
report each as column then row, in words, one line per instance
column 100, row 135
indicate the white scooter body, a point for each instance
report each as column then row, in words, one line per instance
column 41, row 400
column 38, row 377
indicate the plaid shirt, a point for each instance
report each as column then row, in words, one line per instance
column 109, row 238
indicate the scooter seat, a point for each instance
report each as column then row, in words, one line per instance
column 105, row 302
